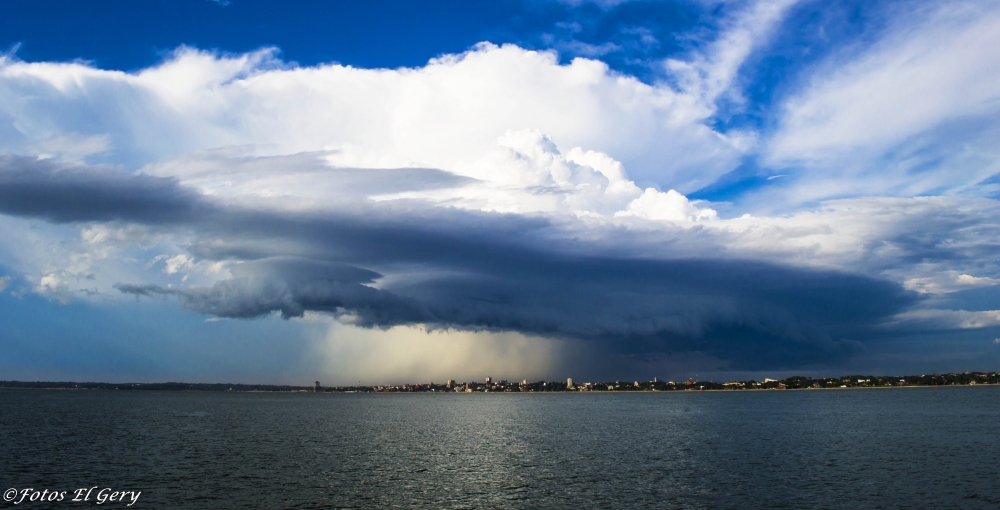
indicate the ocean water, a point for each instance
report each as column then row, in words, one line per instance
column 878, row 448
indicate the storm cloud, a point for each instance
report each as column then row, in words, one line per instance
column 66, row 193
column 713, row 212
column 381, row 264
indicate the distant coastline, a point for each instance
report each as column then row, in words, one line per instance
column 503, row 386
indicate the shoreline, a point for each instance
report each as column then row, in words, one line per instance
column 572, row 392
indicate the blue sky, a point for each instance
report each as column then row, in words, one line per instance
column 390, row 191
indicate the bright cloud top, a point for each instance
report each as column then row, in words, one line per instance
column 445, row 115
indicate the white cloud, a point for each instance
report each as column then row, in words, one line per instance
column 527, row 173
column 4, row 282
column 669, row 206
column 947, row 281
column 709, row 74
column 176, row 263
column 916, row 113
column 53, row 286
column 100, row 233
column 949, row 319
column 71, row 147
column 917, row 77
column 606, row 4
column 879, row 236
column 445, row 115
column 587, row 50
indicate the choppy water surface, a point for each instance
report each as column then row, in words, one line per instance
column 895, row 448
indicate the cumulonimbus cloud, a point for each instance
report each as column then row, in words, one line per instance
column 389, row 263
column 488, row 191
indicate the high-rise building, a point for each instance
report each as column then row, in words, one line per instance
column 450, row 384
column 569, row 383
column 489, row 380
column 317, row 388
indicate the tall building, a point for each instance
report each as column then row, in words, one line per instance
column 569, row 383
column 489, row 380
column 317, row 388
column 450, row 384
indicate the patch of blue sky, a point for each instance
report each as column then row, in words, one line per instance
column 126, row 35
column 131, row 341
column 811, row 34
column 749, row 176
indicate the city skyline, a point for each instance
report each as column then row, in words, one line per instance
column 542, row 386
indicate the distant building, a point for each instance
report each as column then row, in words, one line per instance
column 489, row 380
column 569, row 383
column 317, row 388
column 450, row 384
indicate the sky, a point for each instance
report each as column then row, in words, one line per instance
column 400, row 191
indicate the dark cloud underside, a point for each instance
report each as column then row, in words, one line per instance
column 471, row 270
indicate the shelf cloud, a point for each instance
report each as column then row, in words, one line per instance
column 385, row 264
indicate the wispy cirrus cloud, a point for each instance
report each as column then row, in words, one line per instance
column 911, row 114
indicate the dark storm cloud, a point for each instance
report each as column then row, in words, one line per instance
column 476, row 270
column 755, row 315
column 64, row 193
column 751, row 313
column 973, row 300
column 291, row 286
column 60, row 193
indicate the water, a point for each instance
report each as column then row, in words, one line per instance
column 889, row 448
